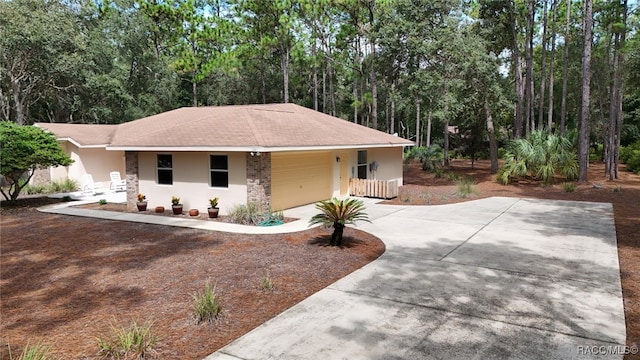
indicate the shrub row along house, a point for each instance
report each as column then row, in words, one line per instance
column 278, row 155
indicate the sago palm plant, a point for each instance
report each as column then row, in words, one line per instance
column 339, row 213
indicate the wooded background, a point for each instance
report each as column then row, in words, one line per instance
column 495, row 69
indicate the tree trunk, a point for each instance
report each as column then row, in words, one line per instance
column 324, row 89
column 517, row 72
column 615, row 115
column 552, row 65
column 372, row 70
column 315, row 75
column 392, row 125
column 543, row 66
column 528, row 91
column 613, row 111
column 264, row 84
column 565, row 71
column 285, row 74
column 332, row 93
column 336, row 237
column 493, row 146
column 355, row 99
column 18, row 100
column 417, row 123
column 374, row 86
column 583, row 129
column 194, row 89
column 429, row 129
column 446, row 124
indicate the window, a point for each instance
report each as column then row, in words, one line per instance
column 219, row 169
column 362, row 164
column 165, row 169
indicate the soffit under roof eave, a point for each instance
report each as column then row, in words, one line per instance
column 253, row 148
column 82, row 146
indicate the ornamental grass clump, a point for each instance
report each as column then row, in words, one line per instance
column 134, row 341
column 339, row 213
column 37, row 351
column 465, row 187
column 206, row 304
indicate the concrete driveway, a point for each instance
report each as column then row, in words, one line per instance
column 492, row 278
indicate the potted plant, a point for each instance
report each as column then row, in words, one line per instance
column 142, row 202
column 176, row 206
column 213, row 210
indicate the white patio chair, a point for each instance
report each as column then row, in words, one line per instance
column 117, row 183
column 89, row 187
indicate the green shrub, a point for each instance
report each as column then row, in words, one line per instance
column 630, row 155
column 431, row 157
column 125, row 342
column 69, row 185
column 596, row 154
column 569, row 187
column 61, row 186
column 465, row 187
column 245, row 214
column 254, row 214
column 541, row 156
column 35, row 189
column 206, row 304
column 501, row 153
column 37, row 351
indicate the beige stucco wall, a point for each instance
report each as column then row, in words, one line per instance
column 191, row 181
column 389, row 165
column 95, row 161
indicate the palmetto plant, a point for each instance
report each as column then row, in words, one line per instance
column 541, row 156
column 339, row 213
column 431, row 157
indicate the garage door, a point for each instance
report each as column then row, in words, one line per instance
column 299, row 178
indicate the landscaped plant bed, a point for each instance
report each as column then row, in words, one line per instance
column 89, row 300
column 66, row 279
column 201, row 216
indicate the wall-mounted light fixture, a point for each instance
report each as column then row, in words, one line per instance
column 255, row 153
column 337, row 158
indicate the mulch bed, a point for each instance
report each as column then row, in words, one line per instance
column 65, row 279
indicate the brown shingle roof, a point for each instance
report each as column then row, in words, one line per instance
column 271, row 126
column 81, row 134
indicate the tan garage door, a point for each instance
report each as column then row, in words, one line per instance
column 299, row 178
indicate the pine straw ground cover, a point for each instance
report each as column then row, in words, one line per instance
column 65, row 279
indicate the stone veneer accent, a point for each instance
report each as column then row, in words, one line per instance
column 41, row 177
column 259, row 179
column 132, row 169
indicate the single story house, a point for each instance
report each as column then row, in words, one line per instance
column 86, row 144
column 279, row 155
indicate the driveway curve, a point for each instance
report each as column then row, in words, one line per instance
column 495, row 278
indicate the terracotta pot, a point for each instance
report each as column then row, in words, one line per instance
column 142, row 206
column 194, row 212
column 160, row 209
column 213, row 212
column 177, row 209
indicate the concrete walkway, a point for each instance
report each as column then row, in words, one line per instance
column 496, row 278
